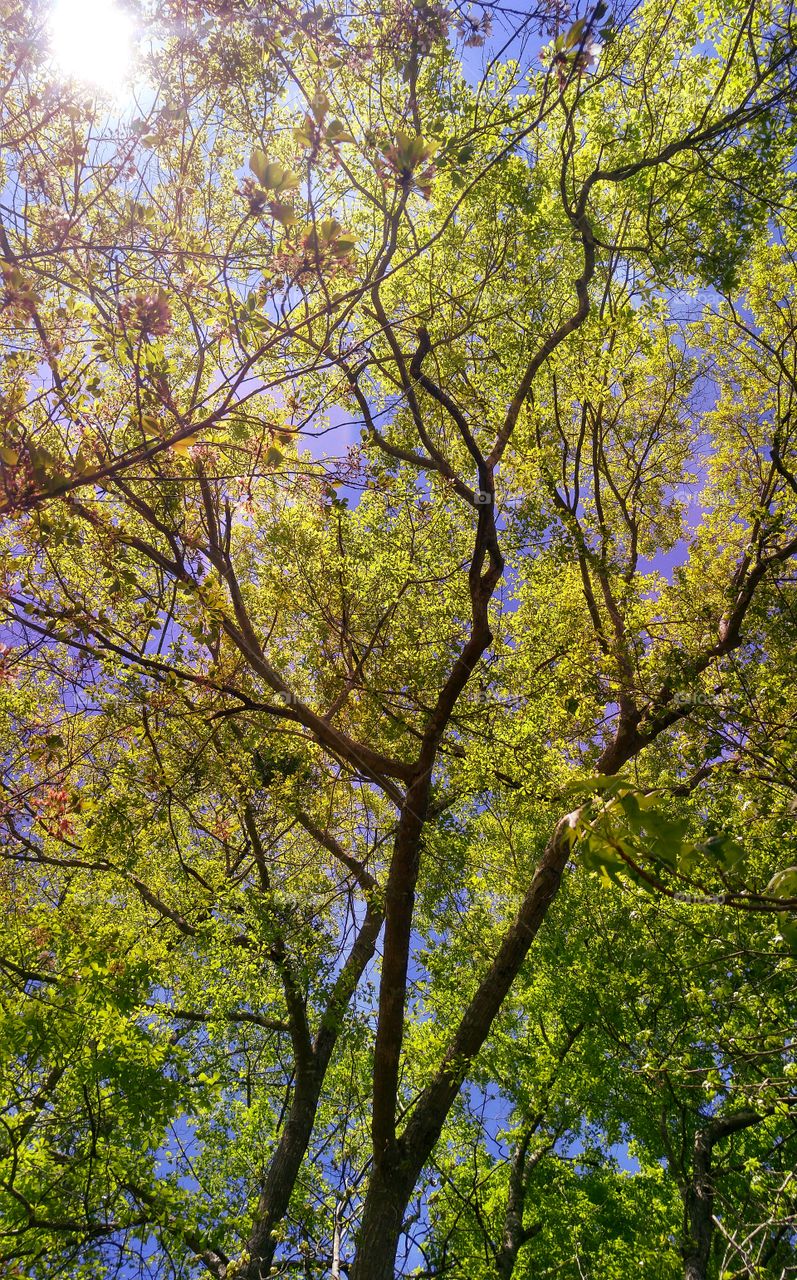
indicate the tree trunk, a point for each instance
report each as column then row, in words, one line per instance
column 395, row 1176
column 283, row 1170
column 284, row 1165
column 514, row 1234
column 389, row 1192
column 699, row 1195
column 337, row 1233
column 699, row 1205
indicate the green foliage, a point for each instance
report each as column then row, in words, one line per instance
column 397, row 711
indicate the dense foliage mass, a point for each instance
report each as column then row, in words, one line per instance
column 399, row 512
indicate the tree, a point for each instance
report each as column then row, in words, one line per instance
column 306, row 729
column 650, row 1125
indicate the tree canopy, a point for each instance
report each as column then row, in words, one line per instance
column 398, row 487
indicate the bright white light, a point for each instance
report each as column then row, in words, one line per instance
column 92, row 41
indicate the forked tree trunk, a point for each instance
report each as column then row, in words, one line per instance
column 514, row 1235
column 395, row 1176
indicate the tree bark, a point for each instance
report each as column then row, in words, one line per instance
column 395, row 1176
column 699, row 1206
column 514, row 1234
column 386, row 1203
column 699, row 1194
column 399, row 909
column 337, row 1234
column 283, row 1168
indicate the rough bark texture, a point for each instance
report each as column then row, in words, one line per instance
column 283, row 1168
column 394, row 1178
column 699, row 1194
column 388, row 1195
column 399, row 909
column 699, row 1205
column 514, row 1234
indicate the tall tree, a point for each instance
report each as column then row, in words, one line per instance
column 361, row 380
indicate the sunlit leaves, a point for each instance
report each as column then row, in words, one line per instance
column 274, row 177
column 628, row 832
column 328, row 237
column 268, row 377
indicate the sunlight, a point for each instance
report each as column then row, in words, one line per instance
column 91, row 41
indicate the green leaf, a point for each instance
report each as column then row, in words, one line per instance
column 272, row 176
column 344, row 244
column 602, row 783
column 783, row 884
column 336, row 132
column 787, row 925
column 573, row 36
column 284, row 213
column 724, row 850
column 259, row 164
column 181, row 447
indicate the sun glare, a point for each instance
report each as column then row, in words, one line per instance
column 92, row 42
